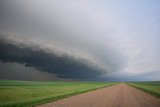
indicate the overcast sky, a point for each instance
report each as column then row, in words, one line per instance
column 122, row 37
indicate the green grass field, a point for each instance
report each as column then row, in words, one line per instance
column 14, row 93
column 152, row 87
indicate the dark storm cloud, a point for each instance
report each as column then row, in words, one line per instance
column 68, row 33
column 117, row 38
column 17, row 71
column 62, row 66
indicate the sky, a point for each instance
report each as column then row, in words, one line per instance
column 112, row 40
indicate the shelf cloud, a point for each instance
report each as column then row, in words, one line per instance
column 84, row 39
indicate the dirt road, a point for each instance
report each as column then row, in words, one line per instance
column 120, row 95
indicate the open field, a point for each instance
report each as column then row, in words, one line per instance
column 30, row 93
column 152, row 87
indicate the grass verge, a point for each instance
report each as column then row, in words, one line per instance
column 151, row 87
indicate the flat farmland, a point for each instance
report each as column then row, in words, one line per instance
column 30, row 93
